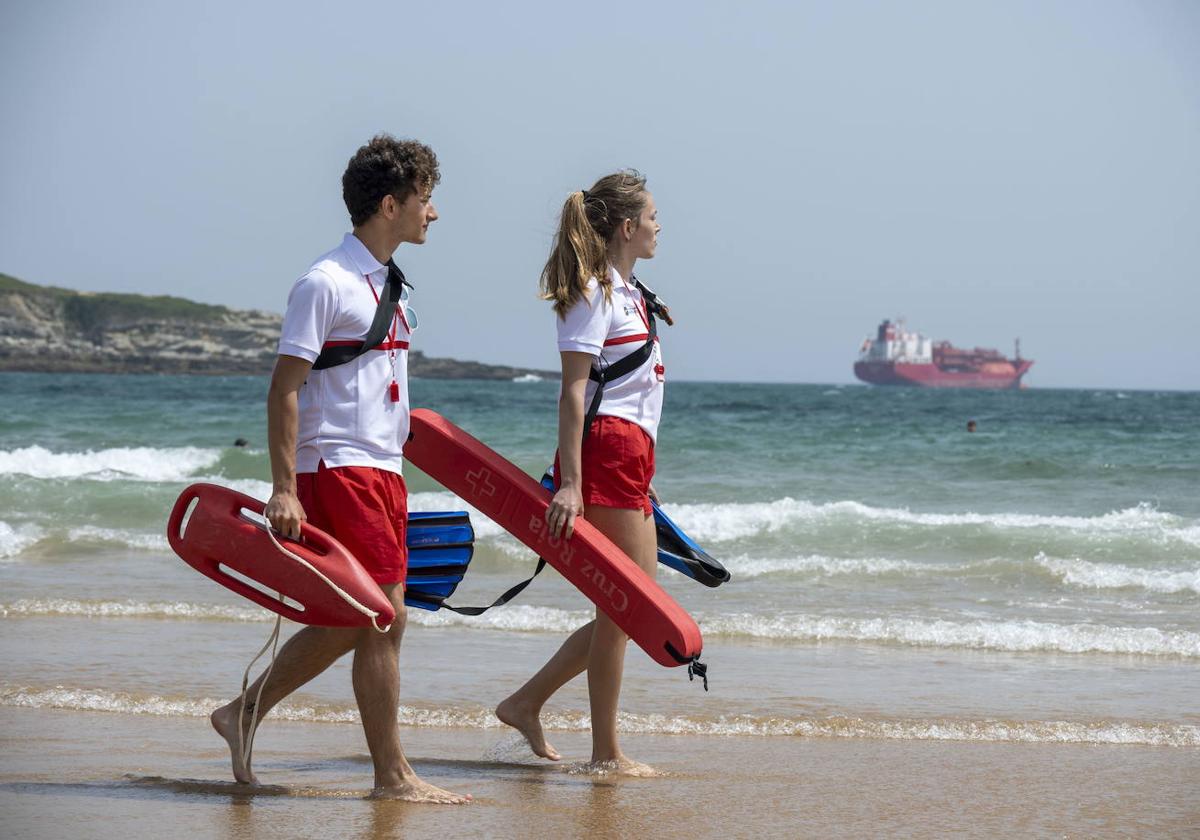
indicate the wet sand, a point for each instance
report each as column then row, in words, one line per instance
column 101, row 775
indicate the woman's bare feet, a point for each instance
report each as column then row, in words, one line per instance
column 224, row 720
column 613, row 767
column 528, row 722
column 415, row 790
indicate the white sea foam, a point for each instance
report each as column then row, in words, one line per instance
column 15, row 539
column 140, row 463
column 485, row 529
column 517, row 618
column 986, row 635
column 1016, row 636
column 745, row 566
column 132, row 539
column 1088, row 575
column 252, row 487
column 738, row 521
column 27, row 607
column 1050, row 731
column 514, row 618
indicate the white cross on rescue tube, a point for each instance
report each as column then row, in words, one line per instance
column 484, row 487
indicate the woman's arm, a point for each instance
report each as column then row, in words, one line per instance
column 568, row 501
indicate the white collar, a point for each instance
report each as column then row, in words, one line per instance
column 363, row 260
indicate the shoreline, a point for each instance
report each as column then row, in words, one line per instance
column 118, row 776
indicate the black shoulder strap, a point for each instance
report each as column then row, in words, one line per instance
column 334, row 356
column 630, row 363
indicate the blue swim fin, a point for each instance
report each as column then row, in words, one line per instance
column 676, row 550
column 440, row 547
column 679, row 551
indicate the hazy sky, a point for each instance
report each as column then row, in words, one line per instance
column 988, row 170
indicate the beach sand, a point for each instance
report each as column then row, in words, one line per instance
column 102, row 775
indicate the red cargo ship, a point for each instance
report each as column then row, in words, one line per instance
column 897, row 357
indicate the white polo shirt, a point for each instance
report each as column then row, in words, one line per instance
column 609, row 331
column 347, row 416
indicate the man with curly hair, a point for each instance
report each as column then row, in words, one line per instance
column 337, row 422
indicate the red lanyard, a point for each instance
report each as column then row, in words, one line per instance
column 394, row 387
column 659, row 370
column 375, row 294
column 641, row 310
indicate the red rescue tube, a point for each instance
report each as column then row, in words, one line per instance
column 219, row 536
column 516, row 502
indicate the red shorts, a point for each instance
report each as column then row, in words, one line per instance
column 618, row 463
column 366, row 510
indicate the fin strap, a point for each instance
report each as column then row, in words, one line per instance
column 512, row 592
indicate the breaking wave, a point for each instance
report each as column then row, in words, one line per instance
column 140, row 463
column 745, row 566
column 906, row 729
column 1014, row 636
column 1075, row 573
column 1088, row 575
column 55, row 607
column 521, row 619
column 1004, row 636
column 15, row 539
column 739, row 521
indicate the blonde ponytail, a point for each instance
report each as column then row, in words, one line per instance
column 588, row 221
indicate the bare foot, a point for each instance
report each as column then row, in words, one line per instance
column 415, row 790
column 528, row 723
column 613, row 767
column 224, row 720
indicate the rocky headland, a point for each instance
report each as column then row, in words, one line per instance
column 48, row 329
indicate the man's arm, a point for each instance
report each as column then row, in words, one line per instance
column 284, row 510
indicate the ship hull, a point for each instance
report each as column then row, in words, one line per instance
column 931, row 376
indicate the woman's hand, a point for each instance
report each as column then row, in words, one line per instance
column 653, row 494
column 564, row 507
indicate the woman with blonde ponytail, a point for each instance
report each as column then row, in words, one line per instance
column 603, row 467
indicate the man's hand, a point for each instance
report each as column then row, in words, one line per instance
column 285, row 513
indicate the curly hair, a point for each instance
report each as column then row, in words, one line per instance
column 588, row 222
column 386, row 166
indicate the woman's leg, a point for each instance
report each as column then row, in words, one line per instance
column 522, row 710
column 633, row 532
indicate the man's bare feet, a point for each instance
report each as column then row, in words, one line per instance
column 224, row 720
column 528, row 723
column 415, row 790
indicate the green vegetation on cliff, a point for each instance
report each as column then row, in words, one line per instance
column 45, row 328
column 88, row 312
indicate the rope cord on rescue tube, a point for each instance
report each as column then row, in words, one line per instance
column 367, row 611
column 246, row 745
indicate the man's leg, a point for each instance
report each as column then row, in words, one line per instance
column 304, row 656
column 377, row 690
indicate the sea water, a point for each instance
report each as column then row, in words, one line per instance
column 893, row 575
